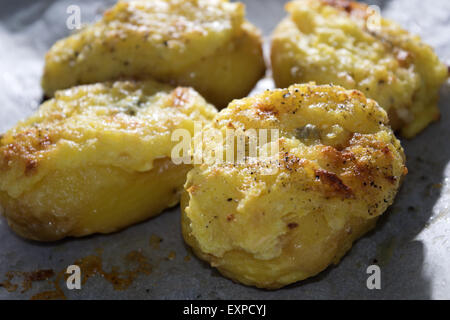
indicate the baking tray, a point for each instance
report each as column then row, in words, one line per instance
column 411, row 243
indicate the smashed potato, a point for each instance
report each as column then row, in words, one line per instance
column 205, row 44
column 96, row 158
column 339, row 167
column 349, row 44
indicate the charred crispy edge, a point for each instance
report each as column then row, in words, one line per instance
column 28, row 142
column 24, row 148
column 266, row 110
column 243, row 32
column 332, row 180
column 292, row 225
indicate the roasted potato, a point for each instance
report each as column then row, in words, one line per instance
column 205, row 44
column 339, row 167
column 96, row 158
column 349, row 44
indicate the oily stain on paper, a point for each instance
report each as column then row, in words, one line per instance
column 91, row 265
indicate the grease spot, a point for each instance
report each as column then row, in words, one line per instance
column 155, row 241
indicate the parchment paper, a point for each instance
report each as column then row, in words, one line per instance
column 411, row 243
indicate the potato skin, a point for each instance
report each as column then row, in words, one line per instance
column 331, row 186
column 96, row 158
column 339, row 42
column 205, row 44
